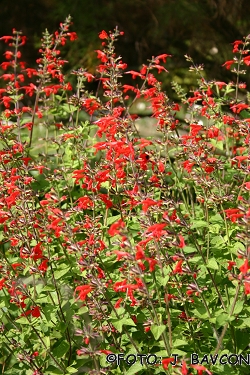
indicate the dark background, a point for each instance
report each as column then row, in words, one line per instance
column 203, row 29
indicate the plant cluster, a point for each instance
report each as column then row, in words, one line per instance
column 112, row 242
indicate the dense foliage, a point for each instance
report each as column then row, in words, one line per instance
column 112, row 242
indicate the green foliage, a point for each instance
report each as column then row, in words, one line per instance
column 115, row 242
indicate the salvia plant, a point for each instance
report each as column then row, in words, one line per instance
column 122, row 253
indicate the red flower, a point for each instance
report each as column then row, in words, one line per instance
column 182, row 242
column 103, row 35
column 114, row 229
column 230, row 264
column 245, row 267
column 84, row 202
column 152, row 263
column 34, row 311
column 166, row 362
column 148, row 203
column 188, row 165
column 178, row 267
column 233, row 214
column 83, row 290
column 220, row 84
column 237, row 108
column 118, row 303
column 162, row 57
column 157, row 229
column 200, row 369
column 247, row 60
column 37, row 252
column 228, row 64
column 6, row 39
column 139, row 253
column 43, row 266
column 101, row 55
column 135, row 74
column 160, row 68
column 121, row 255
column 2, row 281
column 247, row 287
column 184, row 369
column 72, row 35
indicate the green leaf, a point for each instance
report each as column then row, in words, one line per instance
column 61, row 349
column 189, row 249
column 212, row 264
column 157, row 330
column 48, row 288
column 219, row 145
column 196, row 259
column 216, row 218
column 215, row 228
column 60, row 273
column 69, row 108
column 22, row 320
column 199, row 224
column 82, row 310
column 217, row 240
column 243, row 323
column 125, row 321
column 52, row 370
column 222, row 319
column 179, row 342
column 201, row 312
column 238, row 307
column 134, row 369
column 113, row 219
column 71, row 370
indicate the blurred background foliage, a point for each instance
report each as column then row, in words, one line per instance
column 203, row 29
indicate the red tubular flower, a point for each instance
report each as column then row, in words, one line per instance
column 43, row 266
column 121, row 255
column 152, row 263
column 228, row 64
column 247, row 60
column 114, row 229
column 247, row 287
column 230, row 264
column 220, row 84
column 84, row 202
column 166, row 362
column 184, row 369
column 162, row 57
column 148, row 203
column 233, row 214
column 72, row 35
column 178, row 267
column 237, row 108
column 200, row 369
column 34, row 311
column 37, row 252
column 83, row 290
column 188, row 165
column 245, row 267
column 7, row 39
column 101, row 56
column 2, row 281
column 118, row 303
column 103, row 35
column 139, row 253
column 182, row 242
column 135, row 74
column 157, row 230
